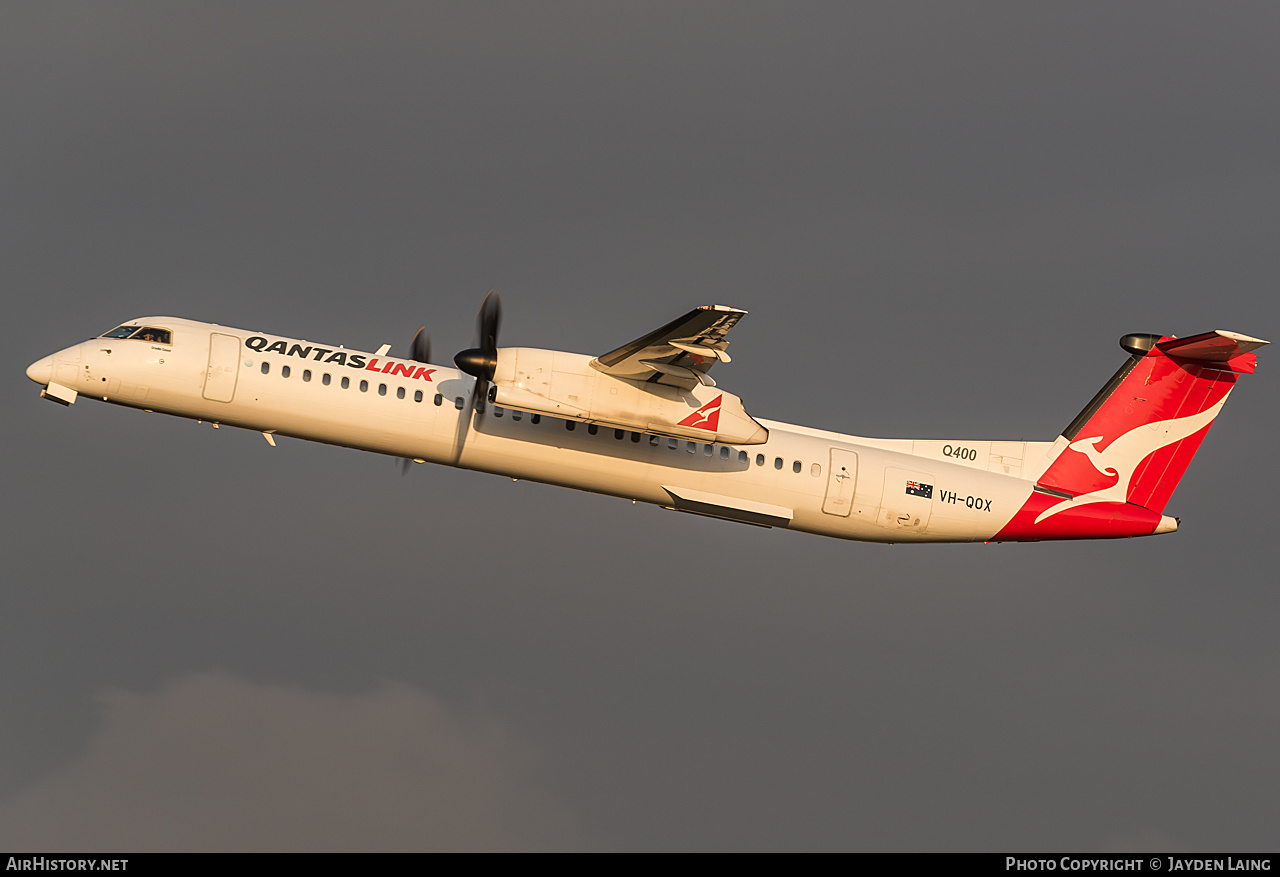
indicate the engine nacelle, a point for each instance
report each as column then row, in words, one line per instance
column 565, row 385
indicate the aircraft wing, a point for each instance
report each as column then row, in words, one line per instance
column 680, row 353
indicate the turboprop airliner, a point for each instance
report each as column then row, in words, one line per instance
column 647, row 422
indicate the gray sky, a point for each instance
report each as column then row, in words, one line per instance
column 940, row 216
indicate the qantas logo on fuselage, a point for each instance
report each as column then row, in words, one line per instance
column 328, row 355
column 707, row 417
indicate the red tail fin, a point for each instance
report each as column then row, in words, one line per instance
column 1134, row 440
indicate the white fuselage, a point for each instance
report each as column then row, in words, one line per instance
column 800, row 478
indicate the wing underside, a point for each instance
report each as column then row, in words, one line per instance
column 680, row 353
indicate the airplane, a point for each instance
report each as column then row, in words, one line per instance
column 647, row 422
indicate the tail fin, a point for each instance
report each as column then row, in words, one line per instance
column 1134, row 440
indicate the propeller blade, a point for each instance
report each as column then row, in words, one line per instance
column 420, row 347
column 488, row 321
column 481, row 361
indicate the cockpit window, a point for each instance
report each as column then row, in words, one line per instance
column 142, row 333
column 155, row 336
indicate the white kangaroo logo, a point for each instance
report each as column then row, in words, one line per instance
column 702, row 417
column 1124, row 454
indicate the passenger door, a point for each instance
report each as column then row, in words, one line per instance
column 842, row 476
column 224, row 368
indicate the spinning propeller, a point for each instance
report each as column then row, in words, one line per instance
column 481, row 361
column 420, row 346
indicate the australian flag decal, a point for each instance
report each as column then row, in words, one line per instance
column 916, row 488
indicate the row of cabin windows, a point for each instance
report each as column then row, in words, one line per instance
column 726, row 452
column 592, row 429
column 345, row 382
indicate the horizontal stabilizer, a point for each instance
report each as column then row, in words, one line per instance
column 1231, row 349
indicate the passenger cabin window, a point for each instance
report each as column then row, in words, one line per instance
column 399, row 392
column 382, row 389
column 325, row 379
column 284, row 371
column 346, row 382
column 266, row 367
column 417, row 395
column 795, row 467
column 364, row 386
column 306, row 374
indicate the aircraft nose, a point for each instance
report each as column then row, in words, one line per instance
column 41, row 371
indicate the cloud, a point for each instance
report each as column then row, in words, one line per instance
column 211, row 762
